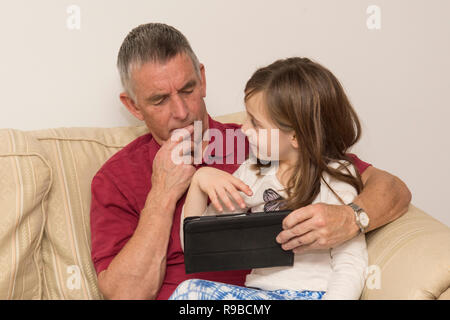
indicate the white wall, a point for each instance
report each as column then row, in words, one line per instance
column 397, row 77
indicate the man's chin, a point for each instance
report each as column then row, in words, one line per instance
column 178, row 134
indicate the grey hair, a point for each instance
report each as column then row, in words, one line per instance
column 151, row 42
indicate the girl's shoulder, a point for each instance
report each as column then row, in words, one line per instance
column 246, row 172
column 343, row 166
column 244, row 169
column 344, row 190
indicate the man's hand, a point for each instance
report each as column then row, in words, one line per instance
column 322, row 226
column 168, row 177
column 317, row 226
column 138, row 270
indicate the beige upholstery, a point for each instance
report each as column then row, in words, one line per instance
column 412, row 253
column 76, row 154
column 237, row 117
column 25, row 181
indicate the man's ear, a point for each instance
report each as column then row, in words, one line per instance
column 203, row 79
column 129, row 103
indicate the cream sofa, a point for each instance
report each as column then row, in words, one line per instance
column 45, row 179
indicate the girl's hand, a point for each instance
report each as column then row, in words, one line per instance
column 220, row 184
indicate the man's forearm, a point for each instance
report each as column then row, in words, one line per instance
column 384, row 197
column 139, row 268
column 323, row 226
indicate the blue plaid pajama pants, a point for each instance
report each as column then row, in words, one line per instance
column 197, row 289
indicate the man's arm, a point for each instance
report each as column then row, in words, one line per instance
column 385, row 197
column 321, row 226
column 139, row 268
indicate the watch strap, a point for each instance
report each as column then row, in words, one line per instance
column 357, row 209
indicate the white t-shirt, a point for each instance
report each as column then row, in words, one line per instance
column 339, row 271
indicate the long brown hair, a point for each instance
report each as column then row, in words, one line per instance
column 302, row 96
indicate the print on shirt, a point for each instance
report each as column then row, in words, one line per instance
column 270, row 196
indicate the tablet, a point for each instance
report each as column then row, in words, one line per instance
column 238, row 241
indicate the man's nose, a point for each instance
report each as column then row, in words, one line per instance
column 179, row 109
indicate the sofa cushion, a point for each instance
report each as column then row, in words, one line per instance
column 25, row 181
column 411, row 256
column 76, row 154
column 237, row 117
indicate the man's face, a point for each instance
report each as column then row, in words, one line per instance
column 168, row 96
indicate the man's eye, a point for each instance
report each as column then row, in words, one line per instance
column 160, row 102
column 188, row 91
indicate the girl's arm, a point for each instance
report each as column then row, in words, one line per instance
column 219, row 186
column 196, row 200
column 349, row 260
column 194, row 205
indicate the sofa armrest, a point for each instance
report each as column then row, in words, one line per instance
column 411, row 258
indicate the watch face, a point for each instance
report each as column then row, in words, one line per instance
column 364, row 219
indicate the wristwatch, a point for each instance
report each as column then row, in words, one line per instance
column 362, row 219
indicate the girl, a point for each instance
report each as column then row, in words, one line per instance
column 306, row 105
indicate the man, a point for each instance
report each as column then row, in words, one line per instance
column 138, row 194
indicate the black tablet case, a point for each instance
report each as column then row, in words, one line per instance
column 234, row 242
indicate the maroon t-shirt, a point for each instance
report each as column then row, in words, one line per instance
column 119, row 192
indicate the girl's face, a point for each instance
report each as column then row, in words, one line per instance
column 267, row 141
